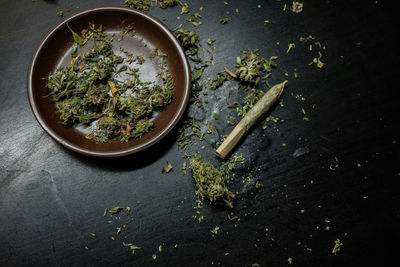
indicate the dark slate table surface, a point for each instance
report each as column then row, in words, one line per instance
column 52, row 199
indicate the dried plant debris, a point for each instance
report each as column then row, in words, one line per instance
column 224, row 20
column 167, row 168
column 167, row 3
column 131, row 246
column 143, row 5
column 115, row 210
column 88, row 90
column 215, row 230
column 210, row 183
column 251, row 68
column 188, row 129
column 336, row 246
column 188, row 39
column 231, row 164
column 185, row 8
column 193, row 18
column 297, row 7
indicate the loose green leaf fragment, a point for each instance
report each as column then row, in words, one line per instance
column 185, row 8
column 290, row 47
column 167, row 168
column 336, row 247
column 224, row 20
column 77, row 38
column 215, row 230
column 115, row 210
column 133, row 248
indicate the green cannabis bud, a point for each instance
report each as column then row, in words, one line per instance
column 210, row 183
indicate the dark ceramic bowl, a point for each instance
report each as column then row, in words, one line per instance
column 54, row 50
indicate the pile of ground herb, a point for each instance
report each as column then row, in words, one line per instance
column 87, row 90
column 210, row 183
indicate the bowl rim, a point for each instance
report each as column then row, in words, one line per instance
column 123, row 152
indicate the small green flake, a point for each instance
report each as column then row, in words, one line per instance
column 297, row 7
column 210, row 41
column 215, row 230
column 258, row 6
column 105, row 213
column 167, row 168
column 336, row 247
column 185, row 8
column 86, row 248
column 92, row 234
column 115, row 210
column 60, row 14
column 224, row 20
column 215, row 116
column 133, row 248
column 160, row 248
column 154, row 256
column 128, row 209
column 290, row 47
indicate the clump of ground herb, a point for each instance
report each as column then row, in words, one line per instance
column 188, row 39
column 138, row 4
column 210, row 183
column 87, row 90
column 251, row 68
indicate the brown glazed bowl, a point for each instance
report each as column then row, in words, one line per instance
column 54, row 50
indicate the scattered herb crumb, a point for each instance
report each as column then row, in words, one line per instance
column 336, row 247
column 115, row 210
column 297, row 7
column 185, row 9
column 167, row 168
column 224, row 20
column 215, row 230
column 290, row 47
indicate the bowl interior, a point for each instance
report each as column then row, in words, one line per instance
column 54, row 51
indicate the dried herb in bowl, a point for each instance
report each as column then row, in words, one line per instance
column 88, row 90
